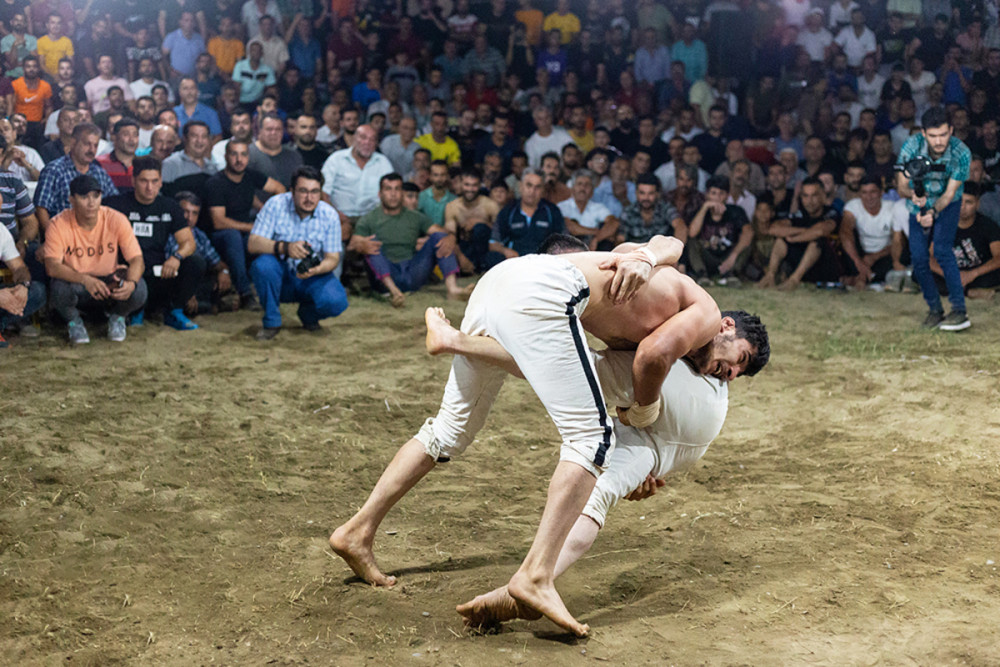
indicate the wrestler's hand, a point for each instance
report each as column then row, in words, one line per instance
column 631, row 273
column 646, row 489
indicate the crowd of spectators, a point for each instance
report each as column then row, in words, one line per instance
column 195, row 156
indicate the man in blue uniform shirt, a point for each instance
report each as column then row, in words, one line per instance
column 525, row 223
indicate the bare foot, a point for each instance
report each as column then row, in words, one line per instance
column 789, row 285
column 357, row 553
column 766, row 282
column 495, row 607
column 397, row 299
column 461, row 293
column 440, row 333
column 543, row 598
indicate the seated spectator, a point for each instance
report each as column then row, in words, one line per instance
column 116, row 110
column 976, row 248
column 739, row 194
column 163, row 141
column 437, row 141
column 547, row 137
column 269, row 156
column 98, row 88
column 16, row 44
column 304, row 129
column 436, row 197
column 118, row 163
column 470, row 218
column 402, row 247
column 411, row 196
column 650, row 215
column 866, row 235
column 586, row 219
column 291, row 228
column 52, row 196
column 803, row 244
column 352, row 175
column 22, row 297
column 217, row 281
column 618, row 191
column 763, row 240
column 33, row 98
column 183, row 46
column 253, row 75
column 524, row 223
column 190, row 168
column 171, row 280
column 58, row 147
column 229, row 198
column 191, row 109
column 719, row 236
column 240, row 128
column 555, row 190
column 400, row 148
column 82, row 245
column 274, row 50
column 143, row 86
column 54, row 45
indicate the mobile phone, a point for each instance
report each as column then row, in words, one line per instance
column 158, row 270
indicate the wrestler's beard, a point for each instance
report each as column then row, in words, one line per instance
column 704, row 358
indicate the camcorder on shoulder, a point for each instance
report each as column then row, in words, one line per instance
column 917, row 170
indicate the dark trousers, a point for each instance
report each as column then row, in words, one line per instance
column 68, row 299
column 476, row 246
column 943, row 236
column 231, row 244
column 36, row 299
column 318, row 297
column 412, row 274
column 177, row 291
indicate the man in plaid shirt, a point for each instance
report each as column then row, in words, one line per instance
column 52, row 193
column 280, row 234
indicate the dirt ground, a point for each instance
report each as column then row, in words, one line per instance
column 167, row 501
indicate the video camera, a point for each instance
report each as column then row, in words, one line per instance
column 917, row 169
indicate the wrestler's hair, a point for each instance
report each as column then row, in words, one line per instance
column 561, row 244
column 752, row 329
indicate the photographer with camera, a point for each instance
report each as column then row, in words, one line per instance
column 932, row 169
column 297, row 238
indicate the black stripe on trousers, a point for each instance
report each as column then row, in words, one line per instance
column 584, row 353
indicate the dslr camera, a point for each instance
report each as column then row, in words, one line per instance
column 310, row 262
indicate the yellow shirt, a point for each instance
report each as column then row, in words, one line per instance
column 227, row 52
column 585, row 141
column 447, row 151
column 568, row 25
column 50, row 52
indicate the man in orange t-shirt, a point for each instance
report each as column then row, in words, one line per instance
column 33, row 98
column 532, row 19
column 82, row 245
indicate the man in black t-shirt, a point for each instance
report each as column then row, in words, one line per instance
column 803, row 241
column 304, row 141
column 976, row 248
column 229, row 199
column 720, row 235
column 172, row 280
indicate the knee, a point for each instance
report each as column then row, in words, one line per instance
column 139, row 294
column 266, row 267
column 194, row 264
column 944, row 255
column 333, row 300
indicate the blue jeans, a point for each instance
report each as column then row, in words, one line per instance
column 36, row 299
column 411, row 274
column 318, row 297
column 231, row 244
column 943, row 236
column 477, row 248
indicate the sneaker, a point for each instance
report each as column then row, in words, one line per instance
column 956, row 321
column 267, row 333
column 728, row 281
column 178, row 320
column 137, row 319
column 78, row 333
column 312, row 326
column 933, row 320
column 28, row 329
column 116, row 328
column 250, row 302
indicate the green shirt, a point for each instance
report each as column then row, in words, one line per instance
column 398, row 233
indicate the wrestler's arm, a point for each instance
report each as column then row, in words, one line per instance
column 688, row 330
column 633, row 263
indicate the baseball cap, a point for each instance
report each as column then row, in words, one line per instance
column 84, row 184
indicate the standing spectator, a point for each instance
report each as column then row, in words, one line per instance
column 269, row 156
column 652, row 59
column 253, row 75
column 81, row 257
column 191, row 109
column 870, row 83
column 254, row 10
column 230, row 201
column 118, row 163
column 842, row 13
column 52, row 193
column 553, row 59
column 351, row 175
column 462, row 23
column 523, row 224
column 304, row 49
column 17, row 45
column 815, row 39
column 546, row 138
column 345, row 52
column 484, row 58
column 33, row 99
column 54, row 45
column 692, row 52
column 563, row 20
column 183, row 46
column 155, row 219
column 274, row 51
column 226, row 47
column 170, row 13
column 533, row 21
column 97, row 88
column 290, row 228
column 402, row 247
column 932, row 43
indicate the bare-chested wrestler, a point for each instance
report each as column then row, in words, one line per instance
column 470, row 218
column 694, row 409
column 538, row 308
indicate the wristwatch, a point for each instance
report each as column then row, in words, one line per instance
column 177, row 254
column 24, row 283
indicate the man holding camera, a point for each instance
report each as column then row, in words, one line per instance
column 297, row 238
column 933, row 167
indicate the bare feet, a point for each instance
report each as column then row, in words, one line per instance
column 766, row 282
column 397, row 299
column 495, row 607
column 789, row 285
column 357, row 553
column 440, row 333
column 461, row 293
column 543, row 598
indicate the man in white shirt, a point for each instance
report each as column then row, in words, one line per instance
column 241, row 128
column 274, row 50
column 586, row 219
column 814, row 38
column 866, row 230
column 143, row 86
column 856, row 40
column 546, row 139
column 920, row 81
column 253, row 10
column 351, row 175
column 870, row 84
